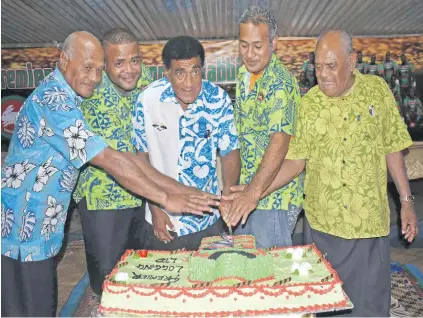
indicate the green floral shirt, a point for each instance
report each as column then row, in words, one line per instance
column 269, row 107
column 345, row 141
column 109, row 114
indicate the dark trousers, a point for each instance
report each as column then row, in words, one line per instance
column 364, row 267
column 190, row 242
column 28, row 289
column 107, row 234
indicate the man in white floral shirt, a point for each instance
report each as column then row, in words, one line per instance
column 50, row 143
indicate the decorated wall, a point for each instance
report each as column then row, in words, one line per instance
column 23, row 69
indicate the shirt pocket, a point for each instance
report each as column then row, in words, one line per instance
column 370, row 129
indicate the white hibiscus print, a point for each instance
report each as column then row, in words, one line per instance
column 76, row 137
column 7, row 221
column 26, row 132
column 53, row 250
column 52, row 217
column 16, row 174
column 69, row 179
column 44, row 130
column 55, row 99
column 28, row 226
column 28, row 258
column 36, row 99
column 45, row 171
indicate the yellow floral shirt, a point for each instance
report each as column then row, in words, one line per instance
column 344, row 141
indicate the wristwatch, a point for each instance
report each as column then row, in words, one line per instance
column 408, row 198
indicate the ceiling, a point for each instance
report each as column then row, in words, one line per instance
column 40, row 23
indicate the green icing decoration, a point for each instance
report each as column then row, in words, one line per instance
column 230, row 264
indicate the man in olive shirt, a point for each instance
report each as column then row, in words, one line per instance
column 348, row 133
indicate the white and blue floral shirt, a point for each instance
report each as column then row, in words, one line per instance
column 184, row 144
column 51, row 141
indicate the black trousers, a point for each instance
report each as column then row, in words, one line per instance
column 107, row 234
column 28, row 289
column 190, row 242
column 364, row 267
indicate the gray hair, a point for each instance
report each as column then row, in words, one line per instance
column 258, row 15
column 346, row 39
column 118, row 36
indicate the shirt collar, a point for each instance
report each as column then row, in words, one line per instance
column 61, row 80
column 272, row 61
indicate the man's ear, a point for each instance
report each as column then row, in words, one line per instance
column 63, row 61
column 165, row 72
column 274, row 43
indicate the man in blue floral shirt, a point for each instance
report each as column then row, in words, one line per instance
column 50, row 143
column 182, row 123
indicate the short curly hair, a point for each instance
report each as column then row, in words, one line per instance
column 118, row 36
column 258, row 15
column 182, row 48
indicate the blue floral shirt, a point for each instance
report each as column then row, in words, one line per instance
column 51, row 141
column 184, row 144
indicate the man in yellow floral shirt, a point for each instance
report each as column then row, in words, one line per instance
column 348, row 133
column 111, row 216
column 267, row 95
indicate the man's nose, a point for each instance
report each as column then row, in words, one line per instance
column 188, row 81
column 95, row 76
column 250, row 52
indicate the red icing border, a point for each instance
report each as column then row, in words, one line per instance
column 270, row 311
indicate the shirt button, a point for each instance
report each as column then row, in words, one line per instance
column 345, row 139
column 345, row 206
column 344, row 184
column 343, row 161
column 345, row 118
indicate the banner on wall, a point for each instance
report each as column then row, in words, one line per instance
column 23, row 69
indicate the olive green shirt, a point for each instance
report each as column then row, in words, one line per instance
column 109, row 114
column 345, row 141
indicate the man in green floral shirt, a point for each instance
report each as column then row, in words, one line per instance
column 267, row 95
column 111, row 216
column 349, row 132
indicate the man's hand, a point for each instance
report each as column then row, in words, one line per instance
column 224, row 209
column 409, row 224
column 191, row 203
column 243, row 204
column 161, row 222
